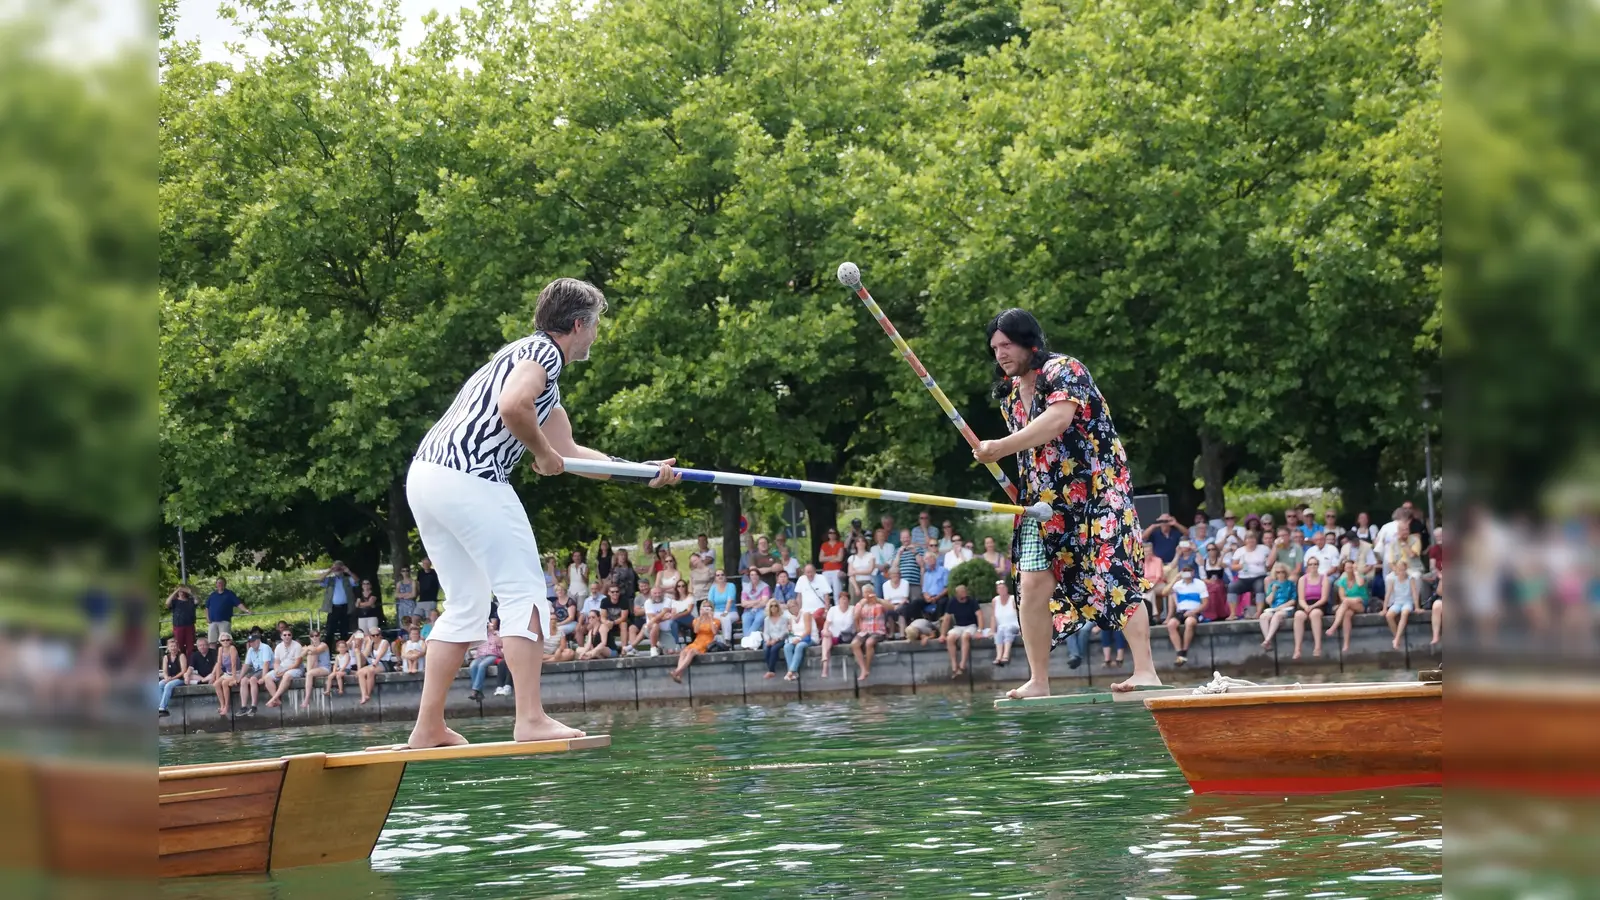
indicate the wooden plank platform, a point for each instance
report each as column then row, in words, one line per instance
column 388, row 753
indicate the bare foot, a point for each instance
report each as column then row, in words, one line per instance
column 1330, row 631
column 274, row 702
column 1395, row 643
column 1296, row 655
column 1345, row 648
column 1137, row 680
column 1029, row 689
column 438, row 736
column 865, row 674
column 364, row 700
column 1317, row 652
column 1433, row 643
column 1264, row 644
column 543, row 729
column 769, row 675
column 678, row 676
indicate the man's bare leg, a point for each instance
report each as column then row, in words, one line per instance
column 444, row 660
column 526, row 659
column 1137, row 631
column 1035, row 615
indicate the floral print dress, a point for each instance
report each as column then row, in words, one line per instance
column 1092, row 541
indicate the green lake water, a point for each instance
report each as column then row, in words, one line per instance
column 908, row 796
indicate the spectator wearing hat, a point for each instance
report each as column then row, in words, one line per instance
column 1228, row 528
column 1164, row 536
column 257, row 663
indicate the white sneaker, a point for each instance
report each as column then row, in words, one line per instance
column 655, row 651
column 503, row 691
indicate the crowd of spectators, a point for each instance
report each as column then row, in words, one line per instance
column 1309, row 571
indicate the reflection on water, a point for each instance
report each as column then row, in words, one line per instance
column 896, row 796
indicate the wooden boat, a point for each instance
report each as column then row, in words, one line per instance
column 1306, row 739
column 1537, row 734
column 302, row 810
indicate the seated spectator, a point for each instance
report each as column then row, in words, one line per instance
column 1187, row 600
column 202, row 662
column 753, row 604
column 922, row 617
column 962, row 621
column 227, row 672
column 404, row 629
column 991, row 555
column 896, row 595
column 378, row 653
column 257, row 663
column 958, row 553
column 288, row 660
column 884, row 553
column 1249, row 566
column 595, row 645
column 1155, row 572
column 1314, row 599
column 1436, row 611
column 871, row 627
column 1214, row 566
column 815, row 594
column 564, row 613
column 1279, row 600
column 681, row 625
column 775, row 624
column 724, row 600
column 489, row 653
column 358, row 652
column 783, row 589
column 1114, row 640
column 343, row 664
column 1352, row 595
column 412, row 651
column 658, row 616
column 174, row 666
column 1403, row 558
column 802, row 634
column 1007, row 625
column 318, row 661
column 613, row 625
column 1200, row 538
column 839, row 626
column 705, row 631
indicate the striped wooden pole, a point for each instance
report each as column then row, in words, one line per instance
column 619, row 469
column 850, row 277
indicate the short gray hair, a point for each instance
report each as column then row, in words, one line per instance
column 566, row 303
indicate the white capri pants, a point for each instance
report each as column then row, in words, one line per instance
column 477, row 534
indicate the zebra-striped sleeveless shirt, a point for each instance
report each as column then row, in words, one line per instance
column 471, row 436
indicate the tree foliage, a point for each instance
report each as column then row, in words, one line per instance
column 1230, row 212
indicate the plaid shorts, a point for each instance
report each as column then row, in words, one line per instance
column 1032, row 557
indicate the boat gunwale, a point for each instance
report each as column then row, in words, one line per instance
column 207, row 770
column 1333, row 693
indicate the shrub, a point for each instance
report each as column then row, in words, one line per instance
column 978, row 576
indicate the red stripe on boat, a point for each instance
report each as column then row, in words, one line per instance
column 1315, row 784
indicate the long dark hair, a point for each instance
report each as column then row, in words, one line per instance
column 1025, row 331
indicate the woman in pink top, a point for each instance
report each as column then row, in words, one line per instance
column 488, row 653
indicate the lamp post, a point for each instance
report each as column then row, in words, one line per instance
column 183, row 562
column 1427, row 460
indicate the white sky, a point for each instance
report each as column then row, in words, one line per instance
column 198, row 20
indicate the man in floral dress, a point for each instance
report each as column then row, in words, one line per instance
column 1085, row 564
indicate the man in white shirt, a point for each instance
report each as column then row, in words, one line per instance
column 1326, row 554
column 815, row 594
column 286, row 659
column 703, row 550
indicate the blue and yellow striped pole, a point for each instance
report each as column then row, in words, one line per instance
column 619, row 469
column 850, row 277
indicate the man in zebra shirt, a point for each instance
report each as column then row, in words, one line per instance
column 472, row 524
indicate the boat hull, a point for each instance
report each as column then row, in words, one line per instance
column 1307, row 740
